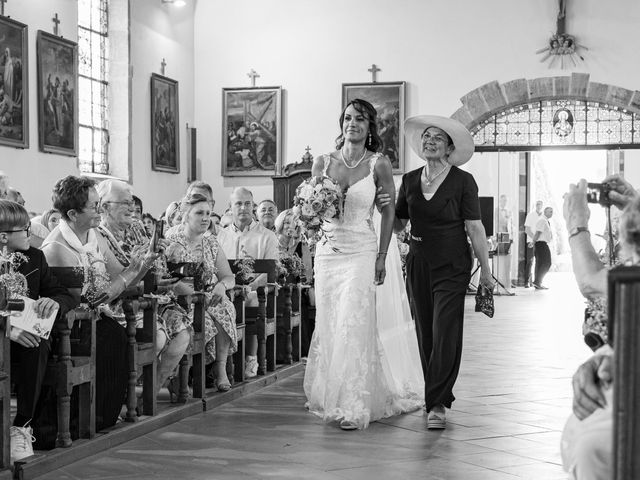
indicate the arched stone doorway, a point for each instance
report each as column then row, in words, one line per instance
column 568, row 112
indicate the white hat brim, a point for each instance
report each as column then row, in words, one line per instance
column 462, row 140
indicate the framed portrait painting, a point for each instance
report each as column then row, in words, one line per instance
column 388, row 100
column 14, row 84
column 252, row 131
column 57, row 61
column 165, row 133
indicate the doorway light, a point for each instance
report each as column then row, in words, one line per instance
column 177, row 3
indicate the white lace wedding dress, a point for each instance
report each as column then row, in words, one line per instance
column 363, row 362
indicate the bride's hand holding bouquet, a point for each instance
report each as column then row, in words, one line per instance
column 318, row 200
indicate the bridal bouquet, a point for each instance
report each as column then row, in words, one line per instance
column 317, row 200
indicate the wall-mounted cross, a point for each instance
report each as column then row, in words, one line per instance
column 163, row 65
column 253, row 75
column 2, row 2
column 56, row 22
column 374, row 69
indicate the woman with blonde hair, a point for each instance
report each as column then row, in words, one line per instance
column 189, row 244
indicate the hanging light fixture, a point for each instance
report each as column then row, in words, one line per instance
column 177, row 3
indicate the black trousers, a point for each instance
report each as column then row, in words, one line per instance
column 28, row 366
column 437, row 303
column 543, row 261
column 528, row 263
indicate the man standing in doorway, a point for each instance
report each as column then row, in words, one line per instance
column 530, row 228
column 541, row 240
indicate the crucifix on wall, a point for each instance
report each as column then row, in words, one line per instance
column 56, row 22
column 374, row 70
column 2, row 2
column 562, row 45
column 253, row 75
column 163, row 66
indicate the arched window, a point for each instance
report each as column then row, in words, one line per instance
column 93, row 85
column 558, row 123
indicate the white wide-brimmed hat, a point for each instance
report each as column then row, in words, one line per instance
column 462, row 140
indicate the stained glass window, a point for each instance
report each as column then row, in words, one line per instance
column 558, row 123
column 93, row 70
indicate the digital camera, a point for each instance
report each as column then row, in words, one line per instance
column 598, row 193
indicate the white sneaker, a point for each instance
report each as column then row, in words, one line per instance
column 251, row 366
column 21, row 443
column 437, row 418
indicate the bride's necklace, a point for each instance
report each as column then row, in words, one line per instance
column 428, row 181
column 357, row 163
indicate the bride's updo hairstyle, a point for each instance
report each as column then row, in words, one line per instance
column 373, row 141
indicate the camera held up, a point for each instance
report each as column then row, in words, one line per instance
column 599, row 193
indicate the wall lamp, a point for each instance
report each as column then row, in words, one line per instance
column 177, row 3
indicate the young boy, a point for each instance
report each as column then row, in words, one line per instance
column 29, row 353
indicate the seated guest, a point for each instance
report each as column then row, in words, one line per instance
column 75, row 243
column 149, row 223
column 215, row 222
column 588, row 434
column 190, row 244
column 4, row 185
column 15, row 196
column 247, row 238
column 172, row 215
column 29, row 352
column 117, row 212
column 137, row 209
column 206, row 191
column 290, row 241
column 266, row 214
column 42, row 225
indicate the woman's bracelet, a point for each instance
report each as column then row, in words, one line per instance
column 382, row 253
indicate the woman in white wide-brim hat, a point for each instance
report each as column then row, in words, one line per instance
column 441, row 201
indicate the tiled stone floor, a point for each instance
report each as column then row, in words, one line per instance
column 513, row 397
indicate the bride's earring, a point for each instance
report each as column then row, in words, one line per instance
column 370, row 138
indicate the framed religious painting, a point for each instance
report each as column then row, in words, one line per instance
column 14, row 84
column 388, row 100
column 57, row 82
column 252, row 131
column 165, row 125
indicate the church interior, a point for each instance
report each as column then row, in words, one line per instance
column 244, row 94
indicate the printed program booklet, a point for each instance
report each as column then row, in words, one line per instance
column 28, row 319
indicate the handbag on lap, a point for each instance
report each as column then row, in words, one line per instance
column 484, row 301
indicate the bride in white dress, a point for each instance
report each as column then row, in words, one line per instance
column 363, row 363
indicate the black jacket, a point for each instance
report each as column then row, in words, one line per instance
column 42, row 283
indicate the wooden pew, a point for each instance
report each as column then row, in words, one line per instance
column 261, row 320
column 289, row 322
column 142, row 349
column 235, row 362
column 195, row 358
column 74, row 365
column 624, row 332
column 5, row 389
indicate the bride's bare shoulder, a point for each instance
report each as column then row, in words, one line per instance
column 319, row 162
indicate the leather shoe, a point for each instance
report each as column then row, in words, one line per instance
column 540, row 287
